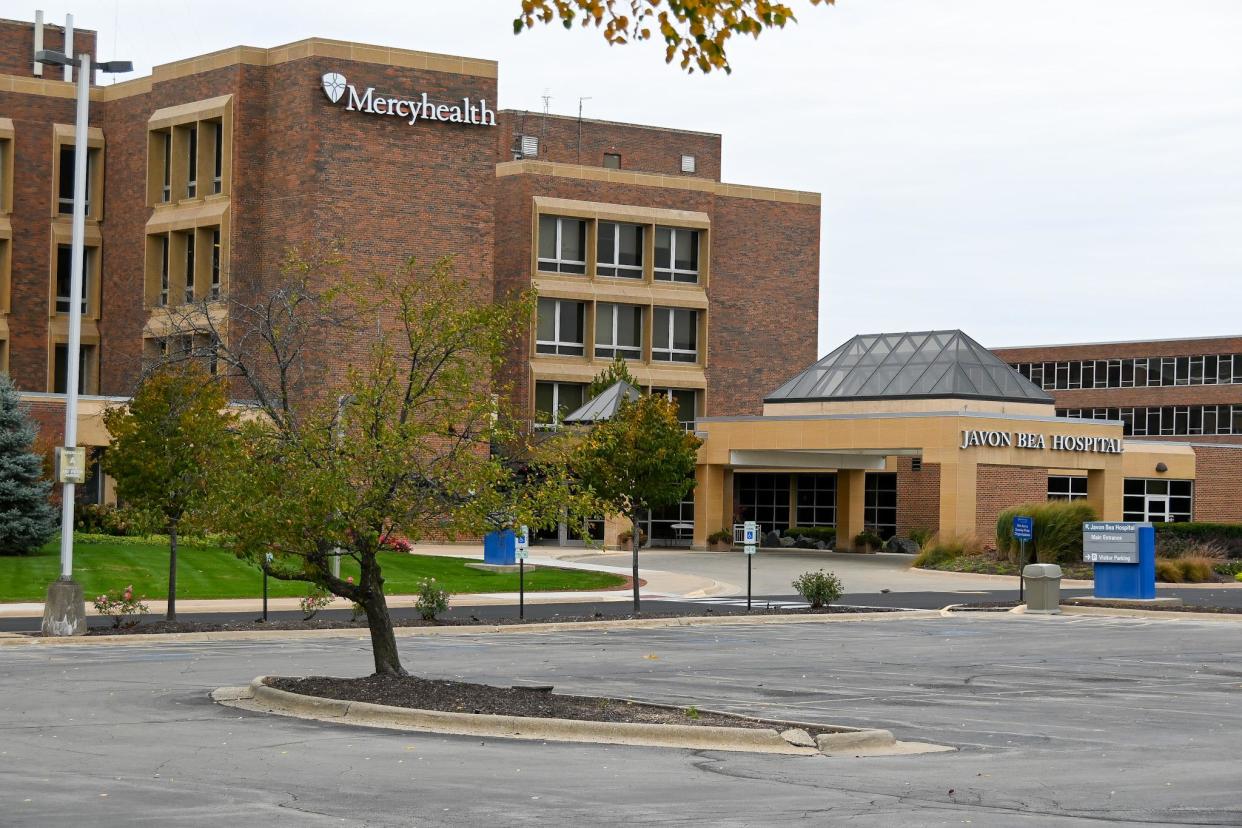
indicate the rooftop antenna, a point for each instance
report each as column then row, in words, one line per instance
column 543, row 124
column 580, row 100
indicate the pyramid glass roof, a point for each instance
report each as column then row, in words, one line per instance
column 603, row 407
column 927, row 364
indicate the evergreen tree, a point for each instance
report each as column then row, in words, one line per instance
column 27, row 519
column 616, row 371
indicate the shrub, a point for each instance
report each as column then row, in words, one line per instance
column 921, row 536
column 1195, row 570
column 1168, row 571
column 1238, row 577
column 393, row 543
column 117, row 521
column 125, row 609
column 1227, row 535
column 868, row 540
column 315, row 600
column 432, row 599
column 940, row 550
column 819, row 589
column 1229, row 569
column 827, row 534
column 721, row 536
column 627, row 535
column 1057, row 531
column 1189, row 546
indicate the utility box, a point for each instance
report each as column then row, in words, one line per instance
column 1043, row 588
column 500, row 548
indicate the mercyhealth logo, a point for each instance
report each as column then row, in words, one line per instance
column 412, row 109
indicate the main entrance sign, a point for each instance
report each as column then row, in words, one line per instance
column 1028, row 440
column 413, row 109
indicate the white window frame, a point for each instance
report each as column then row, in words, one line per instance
column 191, row 264
column 561, row 347
column 668, row 353
column 556, row 402
column 610, row 349
column 621, row 271
column 555, row 265
column 217, row 253
column 672, row 270
column 64, row 303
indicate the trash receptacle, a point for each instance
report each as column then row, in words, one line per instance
column 1043, row 588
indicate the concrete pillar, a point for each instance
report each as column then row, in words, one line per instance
column 713, row 501
column 1105, row 492
column 957, row 499
column 851, row 497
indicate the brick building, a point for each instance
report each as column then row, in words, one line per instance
column 203, row 174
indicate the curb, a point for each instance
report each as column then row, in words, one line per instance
column 259, row 696
column 11, row 640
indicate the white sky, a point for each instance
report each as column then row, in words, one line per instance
column 1059, row 171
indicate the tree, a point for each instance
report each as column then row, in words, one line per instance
column 640, row 459
column 163, row 442
column 616, row 371
column 27, row 519
column 401, row 447
column 697, row 30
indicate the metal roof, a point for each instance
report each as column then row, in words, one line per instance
column 922, row 365
column 605, row 406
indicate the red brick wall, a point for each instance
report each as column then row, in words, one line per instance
column 999, row 487
column 642, row 148
column 1218, row 483
column 918, row 497
column 17, row 47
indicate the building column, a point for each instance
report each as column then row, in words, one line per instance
column 851, row 498
column 957, row 499
column 1105, row 493
column 713, row 501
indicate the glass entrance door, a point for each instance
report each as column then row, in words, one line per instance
column 1158, row 509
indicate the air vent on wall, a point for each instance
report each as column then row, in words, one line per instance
column 687, row 164
column 528, row 146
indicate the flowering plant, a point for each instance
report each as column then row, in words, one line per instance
column 314, row 601
column 121, row 605
column 393, row 543
column 432, row 599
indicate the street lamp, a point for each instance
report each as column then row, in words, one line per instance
column 64, row 611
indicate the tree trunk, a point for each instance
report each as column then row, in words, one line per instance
column 636, row 540
column 375, row 604
column 171, row 614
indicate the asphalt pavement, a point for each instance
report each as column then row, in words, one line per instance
column 1056, row 720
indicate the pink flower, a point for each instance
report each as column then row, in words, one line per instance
column 350, row 579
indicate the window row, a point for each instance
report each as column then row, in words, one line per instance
column 619, row 330
column 1144, row 372
column 620, row 249
column 1167, row 421
column 187, row 161
column 1154, row 500
column 64, row 170
column 184, row 266
column 202, row 347
column 554, row 400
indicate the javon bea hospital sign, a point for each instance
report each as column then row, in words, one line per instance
column 1028, row 440
column 412, row 109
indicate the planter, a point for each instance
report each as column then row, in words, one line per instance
column 720, row 546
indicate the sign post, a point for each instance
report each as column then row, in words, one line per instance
column 1124, row 554
column 521, row 549
column 750, row 538
column 1023, row 531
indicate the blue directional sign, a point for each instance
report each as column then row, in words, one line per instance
column 1023, row 528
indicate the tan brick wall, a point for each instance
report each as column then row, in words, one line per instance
column 918, row 497
column 1218, row 484
column 998, row 488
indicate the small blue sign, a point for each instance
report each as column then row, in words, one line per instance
column 1023, row 528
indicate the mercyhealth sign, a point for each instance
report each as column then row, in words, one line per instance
column 412, row 109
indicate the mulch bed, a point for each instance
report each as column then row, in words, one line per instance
column 170, row 627
column 467, row 697
column 1003, row 606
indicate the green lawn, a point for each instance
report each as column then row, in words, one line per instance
column 204, row 572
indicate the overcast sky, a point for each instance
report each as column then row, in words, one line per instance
column 1060, row 171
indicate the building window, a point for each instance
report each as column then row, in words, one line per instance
column 86, row 372
column 817, row 499
column 217, row 154
column 1067, row 487
column 688, row 164
column 64, row 277
column 560, row 327
column 1141, row 372
column 562, row 245
column 553, row 400
column 215, row 263
column 612, row 160
column 618, row 331
column 673, row 526
column 6, row 170
column 166, row 188
column 1158, row 500
column 763, row 498
column 880, row 504
column 676, row 254
column 191, row 185
column 1167, row 421
column 68, row 168
column 619, row 250
column 189, row 266
column 163, row 270
column 675, row 335
column 6, row 275
column 687, row 401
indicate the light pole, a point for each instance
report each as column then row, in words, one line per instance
column 64, row 611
